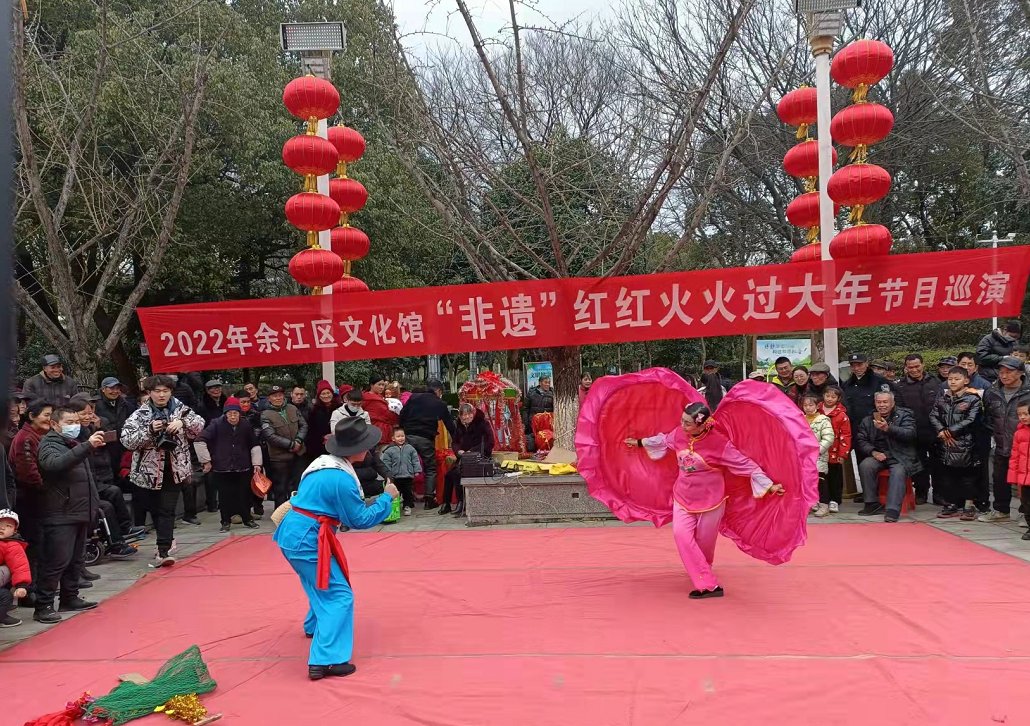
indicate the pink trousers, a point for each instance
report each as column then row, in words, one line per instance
column 695, row 536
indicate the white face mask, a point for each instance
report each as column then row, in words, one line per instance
column 71, row 431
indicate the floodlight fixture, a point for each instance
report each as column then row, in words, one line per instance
column 802, row 7
column 325, row 36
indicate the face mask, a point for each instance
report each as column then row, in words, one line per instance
column 71, row 431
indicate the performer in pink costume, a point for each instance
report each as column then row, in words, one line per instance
column 699, row 494
column 748, row 471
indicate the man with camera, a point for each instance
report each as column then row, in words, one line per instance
column 159, row 435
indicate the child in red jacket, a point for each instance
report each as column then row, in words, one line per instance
column 841, row 449
column 1019, row 463
column 12, row 556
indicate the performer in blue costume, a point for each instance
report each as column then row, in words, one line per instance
column 330, row 495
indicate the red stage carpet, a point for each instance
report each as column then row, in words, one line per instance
column 870, row 624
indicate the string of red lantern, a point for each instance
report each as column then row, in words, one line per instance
column 859, row 66
column 802, row 161
column 312, row 99
column 350, row 243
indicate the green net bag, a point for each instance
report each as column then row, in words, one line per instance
column 184, row 674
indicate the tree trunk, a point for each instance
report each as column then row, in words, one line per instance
column 565, row 362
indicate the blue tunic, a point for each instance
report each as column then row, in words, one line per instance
column 330, row 618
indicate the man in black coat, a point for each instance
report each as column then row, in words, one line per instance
column 113, row 409
column 420, row 419
column 918, row 392
column 996, row 345
column 68, row 505
column 1000, row 402
column 886, row 440
column 860, row 388
column 51, row 384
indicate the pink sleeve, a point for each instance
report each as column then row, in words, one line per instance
column 736, row 463
column 657, row 445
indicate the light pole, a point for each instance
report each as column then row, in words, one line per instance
column 824, row 20
column 993, row 242
column 316, row 43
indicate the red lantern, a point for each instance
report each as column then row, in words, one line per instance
column 859, row 184
column 310, row 99
column 350, row 243
column 862, row 64
column 809, row 253
column 864, row 240
column 349, row 284
column 798, row 108
column 803, row 159
column 311, row 157
column 350, row 145
column 803, row 211
column 312, row 213
column 351, row 195
column 316, row 268
column 861, row 125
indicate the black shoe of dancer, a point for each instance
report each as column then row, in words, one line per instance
column 317, row 673
column 445, row 509
column 702, row 594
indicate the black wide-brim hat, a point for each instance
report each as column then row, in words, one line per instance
column 352, row 436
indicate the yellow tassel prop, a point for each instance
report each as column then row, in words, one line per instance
column 183, row 708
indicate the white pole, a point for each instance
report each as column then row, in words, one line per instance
column 994, row 252
column 325, row 242
column 821, row 47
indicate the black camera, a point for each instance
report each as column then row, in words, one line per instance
column 166, row 442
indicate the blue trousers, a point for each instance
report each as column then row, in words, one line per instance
column 330, row 615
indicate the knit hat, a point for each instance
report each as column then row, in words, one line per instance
column 10, row 514
column 232, row 404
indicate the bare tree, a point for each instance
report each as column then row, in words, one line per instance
column 105, row 156
column 561, row 151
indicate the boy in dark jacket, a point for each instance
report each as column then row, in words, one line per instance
column 69, row 504
column 403, row 465
column 12, row 556
column 953, row 417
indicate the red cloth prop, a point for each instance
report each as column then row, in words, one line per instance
column 328, row 547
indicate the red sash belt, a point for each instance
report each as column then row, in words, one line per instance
column 328, row 547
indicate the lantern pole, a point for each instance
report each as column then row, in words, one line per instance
column 823, row 27
column 316, row 43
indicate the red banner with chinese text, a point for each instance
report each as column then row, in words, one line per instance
column 894, row 289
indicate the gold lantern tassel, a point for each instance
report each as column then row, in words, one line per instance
column 312, row 239
column 312, row 126
column 859, row 155
column 346, row 268
column 860, row 93
column 341, row 169
column 802, row 133
column 344, row 219
column 856, row 214
column 812, row 235
column 811, row 183
column 310, row 183
column 316, row 291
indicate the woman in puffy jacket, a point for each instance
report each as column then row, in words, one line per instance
column 1019, row 463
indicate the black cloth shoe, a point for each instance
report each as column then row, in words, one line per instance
column 892, row 516
column 224, row 527
column 46, row 615
column 317, row 673
column 191, row 520
column 9, row 621
column 459, row 511
column 76, row 604
column 121, row 551
column 1026, row 536
column 870, row 509
column 445, row 509
column 431, row 504
column 85, row 584
column 91, row 576
column 251, row 524
column 702, row 594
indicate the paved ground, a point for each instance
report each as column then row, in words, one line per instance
column 119, row 576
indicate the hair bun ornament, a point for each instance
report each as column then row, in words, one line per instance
column 700, row 417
